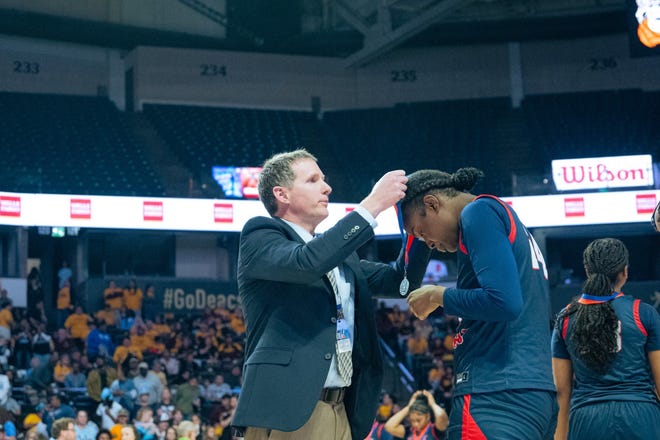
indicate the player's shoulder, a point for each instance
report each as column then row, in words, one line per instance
column 483, row 210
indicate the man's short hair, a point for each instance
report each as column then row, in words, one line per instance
column 277, row 172
column 60, row 425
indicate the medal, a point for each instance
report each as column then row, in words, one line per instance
column 407, row 242
column 403, row 287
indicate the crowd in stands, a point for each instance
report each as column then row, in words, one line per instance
column 125, row 366
column 120, row 366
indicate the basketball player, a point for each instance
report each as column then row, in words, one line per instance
column 609, row 344
column 503, row 380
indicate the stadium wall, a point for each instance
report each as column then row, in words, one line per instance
column 253, row 80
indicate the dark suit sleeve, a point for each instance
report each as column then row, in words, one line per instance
column 270, row 250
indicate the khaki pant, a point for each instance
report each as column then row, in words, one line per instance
column 328, row 422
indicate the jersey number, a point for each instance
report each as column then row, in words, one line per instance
column 538, row 261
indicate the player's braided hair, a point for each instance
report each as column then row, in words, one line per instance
column 423, row 182
column 596, row 325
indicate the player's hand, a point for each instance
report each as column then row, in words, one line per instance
column 425, row 300
column 386, row 192
column 414, row 397
column 429, row 397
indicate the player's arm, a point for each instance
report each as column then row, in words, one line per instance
column 439, row 413
column 654, row 361
column 394, row 424
column 562, row 372
column 485, row 233
column 651, row 322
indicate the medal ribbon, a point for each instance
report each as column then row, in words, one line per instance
column 407, row 242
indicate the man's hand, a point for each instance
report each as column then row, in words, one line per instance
column 425, row 300
column 386, row 192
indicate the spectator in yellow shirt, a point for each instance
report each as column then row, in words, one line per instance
column 6, row 320
column 78, row 325
column 229, row 349
column 108, row 315
column 160, row 327
column 203, row 332
column 133, row 296
column 237, row 323
column 141, row 340
column 123, row 351
column 114, row 295
column 63, row 303
column 62, row 368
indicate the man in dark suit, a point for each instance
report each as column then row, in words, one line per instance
column 313, row 368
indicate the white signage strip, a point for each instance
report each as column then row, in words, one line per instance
column 230, row 215
column 603, row 172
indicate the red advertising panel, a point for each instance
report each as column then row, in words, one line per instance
column 223, row 212
column 645, row 203
column 81, row 208
column 10, row 206
column 152, row 211
column 574, row 206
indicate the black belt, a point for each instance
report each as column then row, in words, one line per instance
column 332, row 395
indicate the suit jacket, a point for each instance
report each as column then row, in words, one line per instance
column 290, row 312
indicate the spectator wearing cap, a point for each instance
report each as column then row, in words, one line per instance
column 32, row 423
column 108, row 410
column 162, row 423
column 99, row 378
column 143, row 400
column 149, row 381
column 186, row 430
column 85, row 429
column 123, row 419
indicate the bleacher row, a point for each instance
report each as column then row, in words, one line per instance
column 84, row 145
